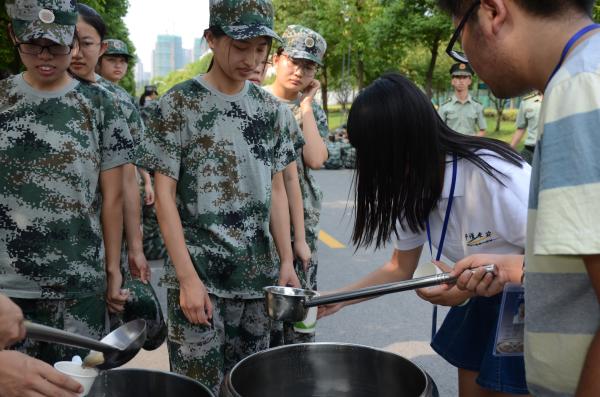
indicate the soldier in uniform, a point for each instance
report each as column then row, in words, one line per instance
column 461, row 112
column 62, row 154
column 527, row 118
column 114, row 63
column 91, row 29
column 218, row 145
column 296, row 63
column 334, row 161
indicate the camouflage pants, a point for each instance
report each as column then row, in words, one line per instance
column 283, row 333
column 206, row 353
column 85, row 316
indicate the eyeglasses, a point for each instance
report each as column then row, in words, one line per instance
column 36, row 49
column 460, row 56
column 307, row 67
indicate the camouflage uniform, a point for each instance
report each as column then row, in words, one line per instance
column 334, row 161
column 223, row 150
column 300, row 42
column 348, row 155
column 116, row 47
column 53, row 148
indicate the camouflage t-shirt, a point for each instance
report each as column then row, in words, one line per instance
column 129, row 109
column 53, row 147
column 223, row 150
column 311, row 193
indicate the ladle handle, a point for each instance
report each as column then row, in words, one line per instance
column 53, row 335
column 384, row 289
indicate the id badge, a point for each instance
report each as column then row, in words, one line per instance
column 510, row 332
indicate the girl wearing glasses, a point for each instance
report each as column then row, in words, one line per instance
column 458, row 194
column 62, row 152
column 91, row 30
column 296, row 64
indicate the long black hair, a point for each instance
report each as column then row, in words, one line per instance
column 92, row 18
column 401, row 147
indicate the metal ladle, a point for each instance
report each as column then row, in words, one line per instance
column 118, row 347
column 292, row 304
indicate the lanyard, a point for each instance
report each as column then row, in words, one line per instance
column 443, row 236
column 447, row 216
column 569, row 45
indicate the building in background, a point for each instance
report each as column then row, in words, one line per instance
column 200, row 48
column 187, row 56
column 168, row 55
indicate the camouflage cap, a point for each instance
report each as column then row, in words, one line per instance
column 43, row 19
column 304, row 43
column 243, row 19
column 116, row 47
column 461, row 69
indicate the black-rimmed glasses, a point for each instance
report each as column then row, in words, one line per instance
column 36, row 49
column 460, row 56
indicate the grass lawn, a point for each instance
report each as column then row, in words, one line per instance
column 507, row 128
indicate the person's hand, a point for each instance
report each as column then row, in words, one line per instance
column 308, row 95
column 148, row 194
column 288, row 276
column 509, row 268
column 12, row 328
column 302, row 252
column 328, row 310
column 138, row 266
column 195, row 301
column 443, row 295
column 115, row 296
column 23, row 376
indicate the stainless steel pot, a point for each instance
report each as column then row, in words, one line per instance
column 292, row 304
column 327, row 370
column 146, row 383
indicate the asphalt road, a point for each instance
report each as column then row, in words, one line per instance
column 399, row 322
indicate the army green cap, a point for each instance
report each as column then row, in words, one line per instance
column 461, row 69
column 243, row 19
column 116, row 47
column 304, row 43
column 54, row 20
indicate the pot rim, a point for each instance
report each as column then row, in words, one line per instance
column 229, row 382
column 156, row 371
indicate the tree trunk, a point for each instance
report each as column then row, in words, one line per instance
column 498, row 120
column 324, row 90
column 360, row 74
column 429, row 75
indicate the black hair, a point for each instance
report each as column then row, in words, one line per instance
column 542, row 8
column 91, row 17
column 146, row 93
column 401, row 147
column 218, row 32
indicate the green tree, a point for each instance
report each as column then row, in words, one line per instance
column 191, row 70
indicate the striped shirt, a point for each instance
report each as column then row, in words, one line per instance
column 562, row 312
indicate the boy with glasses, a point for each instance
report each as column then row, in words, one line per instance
column 554, row 47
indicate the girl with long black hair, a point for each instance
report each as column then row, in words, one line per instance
column 416, row 181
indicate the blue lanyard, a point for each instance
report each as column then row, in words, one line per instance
column 447, row 216
column 570, row 44
column 443, row 236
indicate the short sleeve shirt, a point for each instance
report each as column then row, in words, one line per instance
column 528, row 117
column 53, row 147
column 128, row 108
column 486, row 217
column 223, row 151
column 466, row 118
column 562, row 314
column 311, row 193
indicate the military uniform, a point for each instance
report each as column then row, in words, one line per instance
column 334, row 161
column 223, row 151
column 528, row 117
column 53, row 148
column 300, row 42
column 119, row 48
column 466, row 118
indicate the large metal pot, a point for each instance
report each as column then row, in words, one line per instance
column 327, row 370
column 146, row 383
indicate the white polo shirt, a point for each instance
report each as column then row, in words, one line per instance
column 486, row 216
